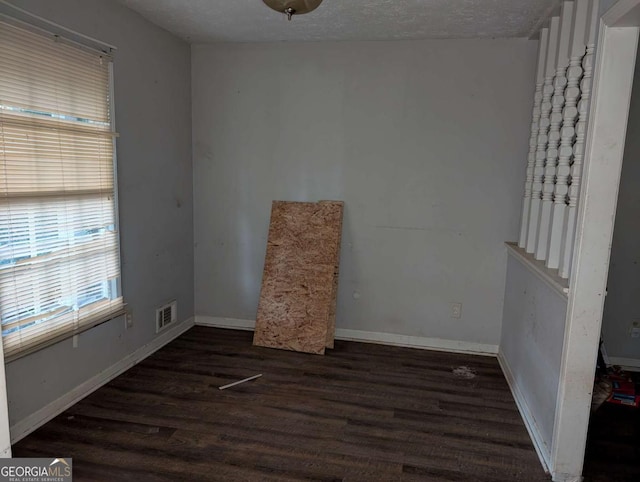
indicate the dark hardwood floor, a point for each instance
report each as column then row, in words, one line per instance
column 361, row 413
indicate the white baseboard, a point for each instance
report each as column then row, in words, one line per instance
column 228, row 323
column 435, row 344
column 628, row 364
column 27, row 425
column 544, row 453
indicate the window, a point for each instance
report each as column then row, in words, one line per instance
column 59, row 256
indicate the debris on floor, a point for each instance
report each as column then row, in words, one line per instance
column 614, row 385
column 224, row 387
column 464, row 372
column 602, row 389
column 624, row 390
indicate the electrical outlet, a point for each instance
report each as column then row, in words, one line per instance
column 635, row 329
column 456, row 310
column 128, row 320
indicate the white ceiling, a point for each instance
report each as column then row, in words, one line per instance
column 203, row 21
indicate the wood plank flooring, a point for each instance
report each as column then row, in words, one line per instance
column 361, row 413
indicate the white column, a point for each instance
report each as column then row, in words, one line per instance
column 566, row 250
column 580, row 24
column 561, row 59
column 543, row 131
column 613, row 82
column 533, row 141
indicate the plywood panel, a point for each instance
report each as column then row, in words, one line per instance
column 335, row 260
column 299, row 285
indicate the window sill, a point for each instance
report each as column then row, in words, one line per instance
column 549, row 276
column 65, row 336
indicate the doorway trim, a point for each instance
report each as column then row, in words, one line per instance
column 609, row 111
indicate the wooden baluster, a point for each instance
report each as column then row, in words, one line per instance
column 566, row 252
column 533, row 141
column 543, row 131
column 568, row 132
column 561, row 62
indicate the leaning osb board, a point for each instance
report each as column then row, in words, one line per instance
column 331, row 327
column 299, row 285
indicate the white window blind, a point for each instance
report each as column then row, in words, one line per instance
column 59, row 258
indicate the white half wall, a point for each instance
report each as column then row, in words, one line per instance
column 531, row 349
column 423, row 140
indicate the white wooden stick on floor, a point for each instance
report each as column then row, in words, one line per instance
column 224, row 387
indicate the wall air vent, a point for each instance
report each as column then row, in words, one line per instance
column 166, row 315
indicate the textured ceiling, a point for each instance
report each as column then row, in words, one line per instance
column 202, row 21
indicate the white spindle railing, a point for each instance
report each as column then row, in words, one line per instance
column 543, row 139
column 558, row 134
column 568, row 134
column 561, row 59
column 533, row 140
column 566, row 253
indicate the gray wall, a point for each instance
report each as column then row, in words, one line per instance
column 153, row 116
column 621, row 306
column 532, row 342
column 425, row 141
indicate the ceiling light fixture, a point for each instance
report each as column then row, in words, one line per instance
column 293, row 7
